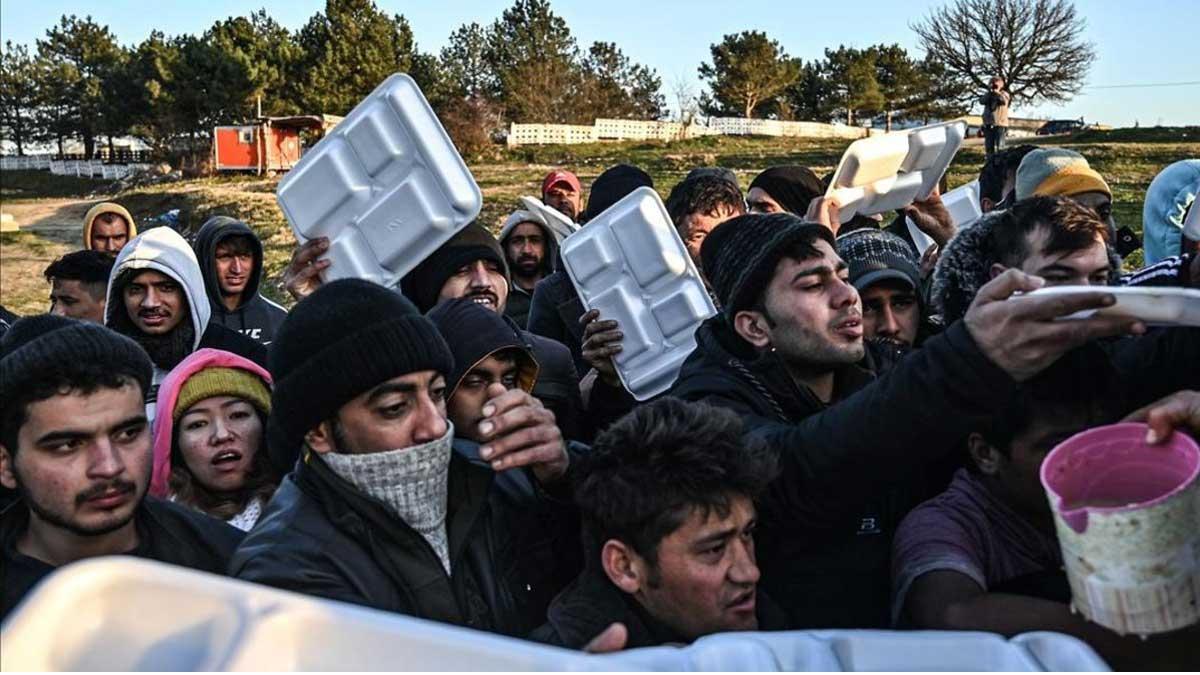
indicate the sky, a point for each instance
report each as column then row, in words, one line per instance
column 1138, row 43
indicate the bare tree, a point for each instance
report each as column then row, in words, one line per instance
column 1037, row 46
column 685, row 100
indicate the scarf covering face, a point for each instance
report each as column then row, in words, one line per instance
column 411, row 482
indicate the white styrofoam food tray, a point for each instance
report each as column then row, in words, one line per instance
column 558, row 223
column 884, row 173
column 963, row 203
column 1152, row 305
column 148, row 616
column 386, row 186
column 630, row 264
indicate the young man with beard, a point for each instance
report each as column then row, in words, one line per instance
column 885, row 273
column 530, row 249
column 78, row 282
column 667, row 495
column 787, row 355
column 156, row 296
column 561, row 191
column 471, row 265
column 107, row 227
column 381, row 510
column 75, row 445
column 231, row 260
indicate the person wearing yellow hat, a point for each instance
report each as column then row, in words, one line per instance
column 107, row 227
column 1057, row 172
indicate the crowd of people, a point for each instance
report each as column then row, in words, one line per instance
column 853, row 443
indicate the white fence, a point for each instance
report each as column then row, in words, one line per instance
column 24, row 163
column 643, row 130
column 71, row 167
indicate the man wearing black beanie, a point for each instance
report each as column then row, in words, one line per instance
column 381, row 510
column 75, row 446
column 471, row 265
column 555, row 309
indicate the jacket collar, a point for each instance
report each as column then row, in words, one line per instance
column 769, row 375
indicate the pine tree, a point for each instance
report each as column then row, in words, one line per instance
column 81, row 55
column 747, row 72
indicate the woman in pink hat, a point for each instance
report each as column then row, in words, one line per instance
column 209, row 445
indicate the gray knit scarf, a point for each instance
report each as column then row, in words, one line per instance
column 411, row 482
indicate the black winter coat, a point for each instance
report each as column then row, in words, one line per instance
column 167, row 532
column 554, row 312
column 217, row 336
column 557, row 385
column 256, row 317
column 591, row 603
column 849, row 472
column 322, row 537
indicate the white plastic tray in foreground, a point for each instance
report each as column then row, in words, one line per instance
column 884, row 173
column 629, row 263
column 386, row 186
column 1158, row 306
column 129, row 614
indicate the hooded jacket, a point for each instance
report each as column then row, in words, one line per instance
column 1168, row 198
column 256, row 317
column 519, row 299
column 851, row 470
column 99, row 210
column 320, row 536
column 163, row 250
column 558, row 382
column 168, row 393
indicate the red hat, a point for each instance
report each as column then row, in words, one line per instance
column 560, row 176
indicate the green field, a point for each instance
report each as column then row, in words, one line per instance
column 50, row 208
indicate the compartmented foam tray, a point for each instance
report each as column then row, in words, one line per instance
column 386, row 186
column 884, row 173
column 629, row 263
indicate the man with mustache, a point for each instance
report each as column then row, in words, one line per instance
column 231, row 259
column 75, row 445
column 471, row 265
column 156, row 296
column 855, row 437
column 530, row 249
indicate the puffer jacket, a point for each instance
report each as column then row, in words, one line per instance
column 256, row 317
column 850, row 471
column 322, row 537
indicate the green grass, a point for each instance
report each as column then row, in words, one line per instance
column 1128, row 158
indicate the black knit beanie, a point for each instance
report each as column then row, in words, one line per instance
column 739, row 256
column 612, row 186
column 347, row 337
column 42, row 347
column 792, row 186
column 473, row 242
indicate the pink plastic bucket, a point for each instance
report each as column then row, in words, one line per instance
column 1126, row 514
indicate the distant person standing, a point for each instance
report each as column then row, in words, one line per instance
column 995, row 115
